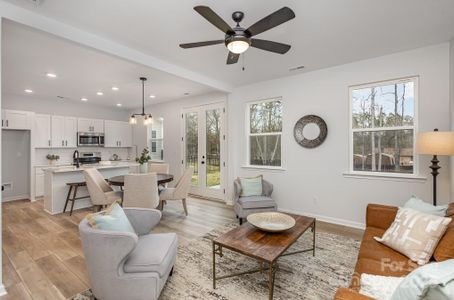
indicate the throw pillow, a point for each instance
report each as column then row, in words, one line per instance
column 251, row 186
column 432, row 281
column 379, row 287
column 419, row 205
column 415, row 234
column 112, row 219
column 445, row 248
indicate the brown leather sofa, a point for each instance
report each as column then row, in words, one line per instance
column 378, row 259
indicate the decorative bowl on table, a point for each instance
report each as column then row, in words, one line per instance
column 271, row 221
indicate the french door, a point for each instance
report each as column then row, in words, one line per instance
column 204, row 149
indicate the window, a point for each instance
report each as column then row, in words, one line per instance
column 157, row 139
column 264, row 133
column 383, row 126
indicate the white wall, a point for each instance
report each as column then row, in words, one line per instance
column 171, row 113
column 16, row 164
column 55, row 106
column 451, row 92
column 2, row 287
column 313, row 181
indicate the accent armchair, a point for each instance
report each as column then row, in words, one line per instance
column 245, row 206
column 123, row 265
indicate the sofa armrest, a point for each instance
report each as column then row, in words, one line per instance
column 267, row 188
column 380, row 216
column 143, row 219
column 236, row 190
column 349, row 294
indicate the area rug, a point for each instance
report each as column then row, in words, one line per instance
column 299, row 276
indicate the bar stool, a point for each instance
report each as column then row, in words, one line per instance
column 75, row 186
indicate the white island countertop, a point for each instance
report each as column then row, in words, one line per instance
column 101, row 165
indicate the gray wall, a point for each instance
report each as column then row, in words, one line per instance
column 16, row 163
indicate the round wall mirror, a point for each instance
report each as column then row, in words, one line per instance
column 310, row 131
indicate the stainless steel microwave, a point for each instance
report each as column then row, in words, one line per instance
column 90, row 139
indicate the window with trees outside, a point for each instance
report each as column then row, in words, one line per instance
column 383, row 126
column 264, row 133
column 157, row 139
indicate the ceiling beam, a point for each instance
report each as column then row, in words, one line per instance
column 63, row 30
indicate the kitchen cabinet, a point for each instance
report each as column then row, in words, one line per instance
column 39, row 182
column 90, row 125
column 117, row 134
column 64, row 132
column 42, row 131
column 17, row 119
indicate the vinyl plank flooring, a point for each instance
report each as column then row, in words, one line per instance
column 17, row 292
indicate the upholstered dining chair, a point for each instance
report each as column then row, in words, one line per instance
column 101, row 193
column 158, row 168
column 244, row 206
column 123, row 265
column 141, row 190
column 179, row 192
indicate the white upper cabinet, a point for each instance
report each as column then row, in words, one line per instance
column 42, row 131
column 64, row 132
column 17, row 119
column 117, row 134
column 90, row 125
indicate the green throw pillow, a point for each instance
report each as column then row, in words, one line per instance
column 251, row 186
column 431, row 281
column 421, row 206
column 113, row 219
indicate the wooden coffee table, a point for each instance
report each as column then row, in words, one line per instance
column 262, row 246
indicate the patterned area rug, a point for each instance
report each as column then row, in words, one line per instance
column 299, row 276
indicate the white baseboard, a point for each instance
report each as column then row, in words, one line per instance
column 14, row 198
column 326, row 219
column 3, row 291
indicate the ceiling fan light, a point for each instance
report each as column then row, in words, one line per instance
column 238, row 47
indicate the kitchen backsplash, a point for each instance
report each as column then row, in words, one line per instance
column 66, row 155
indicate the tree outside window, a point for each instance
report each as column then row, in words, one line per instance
column 264, row 135
column 383, row 126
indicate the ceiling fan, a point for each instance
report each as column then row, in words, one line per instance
column 238, row 39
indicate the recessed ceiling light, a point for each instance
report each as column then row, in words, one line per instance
column 84, row 99
column 51, row 75
column 99, row 93
column 114, row 88
column 152, row 96
column 296, row 68
column 119, row 104
column 61, row 97
column 28, row 91
column 186, row 94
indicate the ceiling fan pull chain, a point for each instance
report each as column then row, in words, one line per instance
column 243, row 68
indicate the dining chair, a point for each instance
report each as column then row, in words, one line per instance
column 101, row 193
column 158, row 168
column 141, row 190
column 179, row 192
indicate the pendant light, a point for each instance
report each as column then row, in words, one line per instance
column 147, row 118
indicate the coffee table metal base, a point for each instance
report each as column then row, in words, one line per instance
column 270, row 269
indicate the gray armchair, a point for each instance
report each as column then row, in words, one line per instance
column 245, row 206
column 122, row 265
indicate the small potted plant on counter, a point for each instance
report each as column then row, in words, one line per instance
column 143, row 160
column 52, row 159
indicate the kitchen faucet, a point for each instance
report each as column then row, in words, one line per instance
column 76, row 159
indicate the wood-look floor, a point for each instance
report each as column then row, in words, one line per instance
column 42, row 254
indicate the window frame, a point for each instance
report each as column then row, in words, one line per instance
column 248, row 134
column 415, row 174
column 152, row 140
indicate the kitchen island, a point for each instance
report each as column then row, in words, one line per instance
column 56, row 178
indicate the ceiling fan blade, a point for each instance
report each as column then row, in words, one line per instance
column 232, row 58
column 213, row 18
column 275, row 19
column 201, row 44
column 270, row 46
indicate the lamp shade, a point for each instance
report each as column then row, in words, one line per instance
column 435, row 143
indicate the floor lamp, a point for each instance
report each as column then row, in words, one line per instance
column 435, row 143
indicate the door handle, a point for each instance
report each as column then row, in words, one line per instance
column 49, row 143
column 62, row 143
column 7, row 123
column 202, row 162
column 66, row 143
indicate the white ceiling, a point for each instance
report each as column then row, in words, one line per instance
column 29, row 54
column 325, row 32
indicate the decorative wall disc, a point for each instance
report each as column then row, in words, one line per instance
column 310, row 131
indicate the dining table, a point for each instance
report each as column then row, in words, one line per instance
column 120, row 180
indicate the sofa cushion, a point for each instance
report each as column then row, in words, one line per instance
column 422, row 206
column 415, row 234
column 445, row 248
column 256, row 202
column 153, row 253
